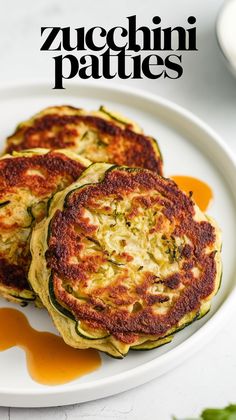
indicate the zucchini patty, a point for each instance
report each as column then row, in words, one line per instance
column 124, row 260
column 100, row 136
column 27, row 181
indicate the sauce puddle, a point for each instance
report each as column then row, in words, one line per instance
column 49, row 360
column 202, row 193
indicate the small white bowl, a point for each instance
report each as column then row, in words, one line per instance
column 226, row 33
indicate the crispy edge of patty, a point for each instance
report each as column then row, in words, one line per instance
column 39, row 275
column 10, row 291
column 147, row 153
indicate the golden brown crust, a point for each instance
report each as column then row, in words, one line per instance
column 52, row 167
column 27, row 181
column 13, row 275
column 111, row 141
column 172, row 216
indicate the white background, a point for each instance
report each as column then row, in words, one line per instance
column 209, row 91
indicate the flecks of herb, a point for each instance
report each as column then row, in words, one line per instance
column 68, row 288
column 5, row 203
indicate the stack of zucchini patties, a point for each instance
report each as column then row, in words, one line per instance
column 119, row 256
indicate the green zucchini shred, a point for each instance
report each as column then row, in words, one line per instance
column 112, row 116
column 54, row 302
column 83, row 333
column 4, row 203
column 150, row 345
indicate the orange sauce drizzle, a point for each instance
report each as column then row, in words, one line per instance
column 202, row 193
column 49, row 360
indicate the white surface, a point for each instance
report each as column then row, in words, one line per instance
column 226, row 32
column 206, row 88
column 190, row 148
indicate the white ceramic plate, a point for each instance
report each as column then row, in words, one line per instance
column 226, row 33
column 189, row 148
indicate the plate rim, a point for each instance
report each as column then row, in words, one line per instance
column 138, row 375
column 225, row 54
